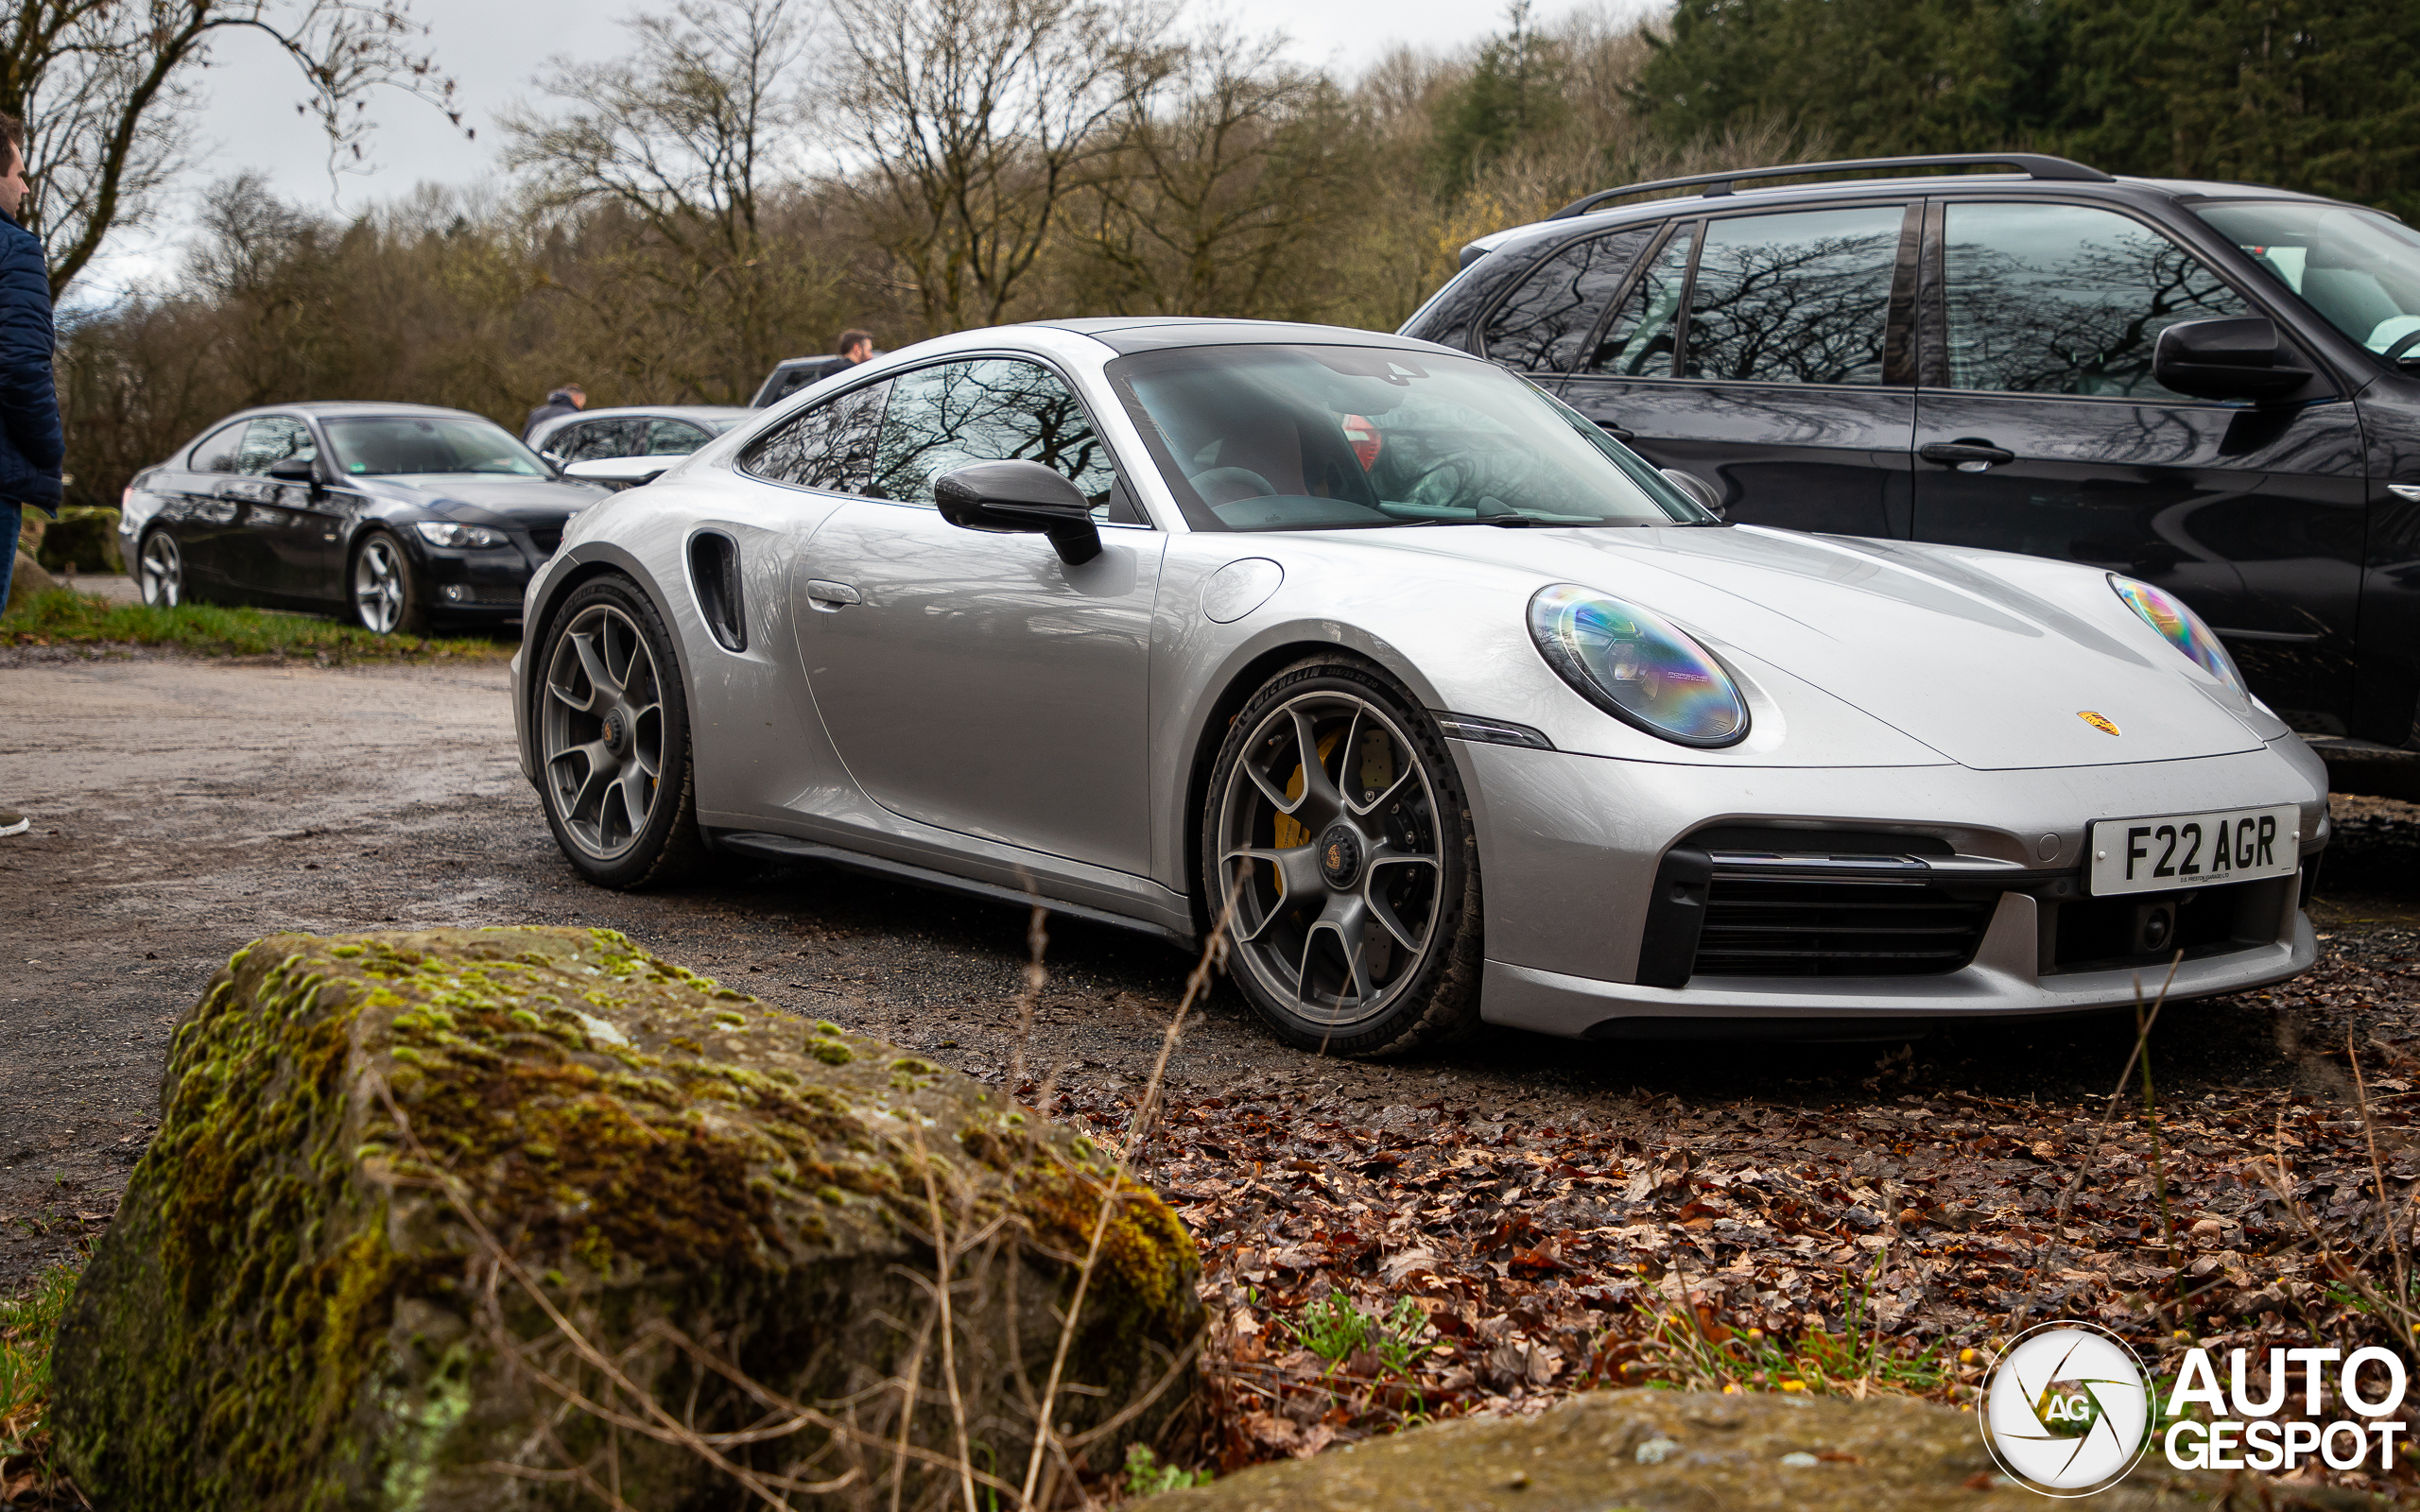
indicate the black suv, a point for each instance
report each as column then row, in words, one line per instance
column 2199, row 384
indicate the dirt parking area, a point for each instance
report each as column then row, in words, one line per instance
column 1521, row 1191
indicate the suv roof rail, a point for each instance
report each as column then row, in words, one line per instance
column 2035, row 164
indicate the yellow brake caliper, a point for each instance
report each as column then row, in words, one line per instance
column 1377, row 775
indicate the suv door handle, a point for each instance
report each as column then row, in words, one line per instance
column 1616, row 432
column 1966, row 456
column 829, row 596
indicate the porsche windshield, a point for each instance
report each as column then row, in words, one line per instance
column 410, row 443
column 2357, row 267
column 1309, row 437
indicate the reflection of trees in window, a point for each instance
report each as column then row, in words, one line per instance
column 828, row 447
column 273, row 439
column 1638, row 340
column 991, row 410
column 1542, row 327
column 2063, row 300
column 1793, row 299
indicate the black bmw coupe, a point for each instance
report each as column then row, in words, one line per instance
column 397, row 517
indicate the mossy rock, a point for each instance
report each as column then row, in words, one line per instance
column 82, row 538
column 611, row 1180
column 1649, row 1450
column 25, row 579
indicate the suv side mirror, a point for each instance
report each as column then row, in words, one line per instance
column 2236, row 357
column 1025, row 498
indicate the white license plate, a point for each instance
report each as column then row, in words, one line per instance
column 2194, row 850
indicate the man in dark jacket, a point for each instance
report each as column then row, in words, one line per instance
column 855, row 346
column 31, row 443
column 568, row 400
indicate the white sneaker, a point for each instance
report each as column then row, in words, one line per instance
column 12, row 822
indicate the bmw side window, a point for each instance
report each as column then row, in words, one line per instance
column 1793, row 299
column 217, row 452
column 828, row 447
column 1639, row 340
column 991, row 409
column 273, row 439
column 1545, row 321
column 673, row 438
column 2045, row 299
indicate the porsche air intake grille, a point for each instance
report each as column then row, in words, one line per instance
column 1766, row 926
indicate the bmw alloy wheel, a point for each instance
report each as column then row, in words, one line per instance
column 381, row 585
column 160, row 571
column 1343, row 866
column 604, row 731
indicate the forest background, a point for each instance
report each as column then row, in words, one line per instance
column 752, row 176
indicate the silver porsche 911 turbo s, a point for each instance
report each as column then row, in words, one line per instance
column 1446, row 706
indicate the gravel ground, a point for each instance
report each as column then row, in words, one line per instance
column 184, row 807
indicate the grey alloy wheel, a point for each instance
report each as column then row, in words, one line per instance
column 160, row 571
column 1339, row 846
column 382, row 585
column 603, row 732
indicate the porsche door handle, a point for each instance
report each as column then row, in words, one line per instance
column 1966, row 456
column 830, row 596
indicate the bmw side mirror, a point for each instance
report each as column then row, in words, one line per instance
column 296, row 470
column 2236, row 357
column 620, row 471
column 1025, row 498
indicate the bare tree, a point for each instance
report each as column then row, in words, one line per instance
column 695, row 136
column 101, row 84
column 968, row 122
column 1222, row 186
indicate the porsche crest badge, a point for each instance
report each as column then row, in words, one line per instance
column 2099, row 722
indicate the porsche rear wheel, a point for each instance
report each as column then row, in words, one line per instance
column 612, row 728
column 1337, row 842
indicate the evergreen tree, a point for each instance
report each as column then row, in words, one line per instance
column 1513, row 94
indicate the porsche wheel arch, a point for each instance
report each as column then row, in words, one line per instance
column 1253, row 665
column 596, row 559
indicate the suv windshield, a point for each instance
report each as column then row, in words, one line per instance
column 2357, row 267
column 410, row 443
column 1284, row 438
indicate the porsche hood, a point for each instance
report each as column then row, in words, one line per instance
column 1997, row 662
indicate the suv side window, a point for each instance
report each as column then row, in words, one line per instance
column 273, row 438
column 215, row 453
column 2048, row 299
column 990, row 410
column 829, row 446
column 1638, row 341
column 1542, row 326
column 1798, row 297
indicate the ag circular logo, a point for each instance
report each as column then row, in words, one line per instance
column 2066, row 1410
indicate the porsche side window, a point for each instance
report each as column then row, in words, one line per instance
column 829, row 446
column 2047, row 298
column 1793, row 299
column 991, row 409
column 216, row 452
column 273, row 439
column 1544, row 324
column 673, row 438
column 1639, row 339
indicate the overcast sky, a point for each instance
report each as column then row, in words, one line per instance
column 493, row 47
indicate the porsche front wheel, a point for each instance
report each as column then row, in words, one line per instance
column 612, row 729
column 1339, row 847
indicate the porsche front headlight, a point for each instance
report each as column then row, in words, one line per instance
column 446, row 533
column 1636, row 667
column 2180, row 628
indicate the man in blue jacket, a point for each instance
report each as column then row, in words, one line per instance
column 31, row 443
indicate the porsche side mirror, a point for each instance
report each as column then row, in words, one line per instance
column 1025, row 498
column 1698, row 488
column 620, row 471
column 2233, row 357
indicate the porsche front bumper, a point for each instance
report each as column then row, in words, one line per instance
column 1589, row 863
